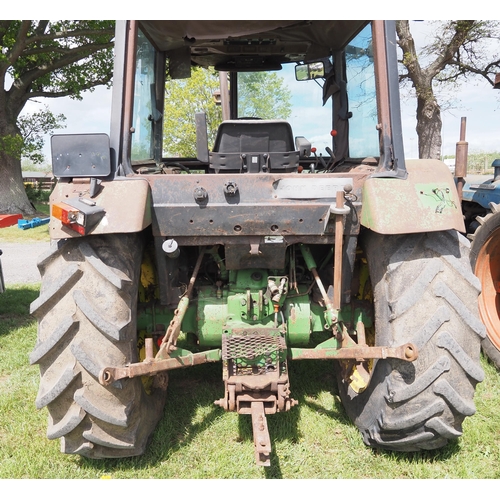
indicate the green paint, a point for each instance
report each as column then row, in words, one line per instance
column 212, row 313
column 245, row 303
column 427, row 200
column 436, row 195
column 298, row 312
column 210, row 356
column 309, row 259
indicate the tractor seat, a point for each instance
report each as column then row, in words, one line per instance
column 253, row 146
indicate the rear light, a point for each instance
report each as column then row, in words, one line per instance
column 65, row 213
column 77, row 216
column 69, row 216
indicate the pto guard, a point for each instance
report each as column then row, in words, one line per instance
column 426, row 201
column 118, row 207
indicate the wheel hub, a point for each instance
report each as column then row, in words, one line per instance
column 488, row 271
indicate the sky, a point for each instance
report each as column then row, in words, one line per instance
column 474, row 100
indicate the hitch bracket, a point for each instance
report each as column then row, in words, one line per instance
column 261, row 439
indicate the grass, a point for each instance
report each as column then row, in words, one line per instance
column 198, row 440
column 13, row 234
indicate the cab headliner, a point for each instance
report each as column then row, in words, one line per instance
column 234, row 44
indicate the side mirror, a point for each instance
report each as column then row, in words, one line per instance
column 353, row 52
column 310, row 71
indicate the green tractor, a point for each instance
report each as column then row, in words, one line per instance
column 258, row 249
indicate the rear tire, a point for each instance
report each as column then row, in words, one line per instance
column 424, row 293
column 86, row 321
column 485, row 261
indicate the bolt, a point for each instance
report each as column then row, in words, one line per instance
column 230, row 188
column 200, row 194
column 409, row 354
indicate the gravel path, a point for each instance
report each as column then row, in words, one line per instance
column 19, row 261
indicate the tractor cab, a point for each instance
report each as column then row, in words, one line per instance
column 316, row 78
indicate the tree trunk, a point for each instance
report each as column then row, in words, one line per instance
column 13, row 198
column 429, row 125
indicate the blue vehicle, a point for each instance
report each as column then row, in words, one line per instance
column 481, row 207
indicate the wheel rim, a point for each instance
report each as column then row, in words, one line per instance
column 488, row 271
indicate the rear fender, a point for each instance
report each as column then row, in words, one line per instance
column 481, row 190
column 126, row 203
column 427, row 200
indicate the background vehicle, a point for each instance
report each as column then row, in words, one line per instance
column 258, row 250
column 481, row 207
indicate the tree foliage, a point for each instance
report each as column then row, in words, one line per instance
column 184, row 98
column 456, row 52
column 43, row 59
column 470, row 50
column 55, row 58
column 261, row 95
column 33, row 128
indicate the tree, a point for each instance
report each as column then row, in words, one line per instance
column 184, row 98
column 261, row 95
column 458, row 51
column 33, row 127
column 43, row 59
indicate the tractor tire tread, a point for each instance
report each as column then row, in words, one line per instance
column 86, row 321
column 430, row 299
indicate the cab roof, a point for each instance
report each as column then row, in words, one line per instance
column 240, row 45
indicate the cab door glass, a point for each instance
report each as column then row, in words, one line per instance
column 360, row 72
column 142, row 138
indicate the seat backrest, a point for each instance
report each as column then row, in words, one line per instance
column 253, row 146
column 254, row 136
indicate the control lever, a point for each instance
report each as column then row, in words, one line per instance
column 332, row 157
column 322, row 161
